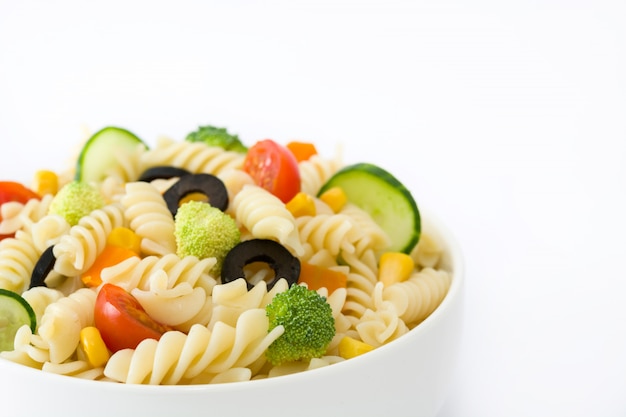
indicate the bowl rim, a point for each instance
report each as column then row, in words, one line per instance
column 456, row 263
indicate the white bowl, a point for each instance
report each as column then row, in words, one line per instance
column 406, row 377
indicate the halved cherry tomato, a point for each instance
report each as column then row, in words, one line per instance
column 15, row 191
column 122, row 322
column 273, row 167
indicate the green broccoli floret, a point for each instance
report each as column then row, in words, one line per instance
column 75, row 200
column 308, row 322
column 205, row 231
column 215, row 136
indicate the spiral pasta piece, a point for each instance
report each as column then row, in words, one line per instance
column 174, row 291
column 195, row 157
column 336, row 300
column 76, row 251
column 170, row 306
column 427, row 252
column 370, row 234
column 21, row 216
column 417, row 297
column 234, row 180
column 230, row 300
column 333, row 233
column 382, row 326
column 112, row 189
column 40, row 298
column 362, row 279
column 163, row 184
column 48, row 231
column 74, row 368
column 266, row 217
column 19, row 256
column 315, row 171
column 63, row 320
column 28, row 349
column 21, row 253
column 178, row 357
column 149, row 217
column 230, row 375
column 137, row 272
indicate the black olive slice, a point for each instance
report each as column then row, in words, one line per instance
column 209, row 185
column 42, row 268
column 162, row 172
column 275, row 255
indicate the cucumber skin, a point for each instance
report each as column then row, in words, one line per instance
column 20, row 300
column 118, row 131
column 383, row 179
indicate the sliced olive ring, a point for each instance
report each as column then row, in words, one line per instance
column 42, row 268
column 209, row 185
column 162, row 172
column 275, row 255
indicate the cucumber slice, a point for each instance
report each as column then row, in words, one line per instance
column 102, row 152
column 14, row 313
column 386, row 199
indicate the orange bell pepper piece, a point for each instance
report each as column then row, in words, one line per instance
column 110, row 255
column 316, row 277
column 302, row 150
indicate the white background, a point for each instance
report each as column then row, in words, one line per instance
column 506, row 119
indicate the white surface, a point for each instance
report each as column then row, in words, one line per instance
column 514, row 113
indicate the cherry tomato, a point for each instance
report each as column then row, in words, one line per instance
column 15, row 191
column 122, row 322
column 273, row 167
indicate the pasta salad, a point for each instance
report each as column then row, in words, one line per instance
column 175, row 263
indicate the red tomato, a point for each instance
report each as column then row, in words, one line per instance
column 122, row 322
column 15, row 191
column 274, row 168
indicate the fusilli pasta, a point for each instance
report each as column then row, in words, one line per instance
column 315, row 171
column 48, row 231
column 333, row 233
column 148, row 215
column 76, row 251
column 195, row 157
column 416, row 298
column 266, row 217
column 177, row 356
column 21, row 216
column 19, row 256
column 40, row 298
column 63, row 320
column 232, row 299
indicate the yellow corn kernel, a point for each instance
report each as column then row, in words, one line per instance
column 301, row 204
column 349, row 348
column 395, row 267
column 123, row 237
column 93, row 346
column 45, row 182
column 335, row 197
